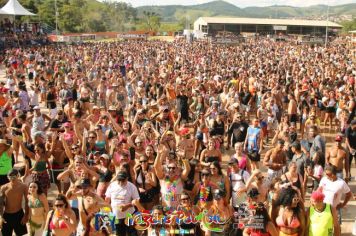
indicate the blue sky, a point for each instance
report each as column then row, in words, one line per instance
column 239, row 3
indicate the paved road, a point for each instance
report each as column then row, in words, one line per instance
column 349, row 213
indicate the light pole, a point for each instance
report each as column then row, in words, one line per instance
column 327, row 26
column 56, row 10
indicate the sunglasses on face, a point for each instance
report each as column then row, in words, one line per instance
column 205, row 175
column 184, row 199
column 138, row 142
column 171, row 168
column 74, row 148
column 92, row 137
column 59, row 205
column 143, row 162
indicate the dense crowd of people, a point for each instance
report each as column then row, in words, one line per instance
column 20, row 34
column 176, row 138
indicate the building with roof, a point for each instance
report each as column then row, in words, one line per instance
column 213, row 25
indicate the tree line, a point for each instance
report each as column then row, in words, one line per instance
column 89, row 15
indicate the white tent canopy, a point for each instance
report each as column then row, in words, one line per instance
column 13, row 7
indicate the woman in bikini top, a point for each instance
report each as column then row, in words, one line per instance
column 61, row 221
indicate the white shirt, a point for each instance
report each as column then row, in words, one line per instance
column 333, row 190
column 122, row 195
column 238, row 181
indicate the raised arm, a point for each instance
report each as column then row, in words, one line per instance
column 186, row 170
column 158, row 163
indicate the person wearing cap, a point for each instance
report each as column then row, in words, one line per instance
column 338, row 157
column 321, row 217
column 12, row 216
column 123, row 196
column 275, row 159
column 89, row 202
column 171, row 181
column 38, row 121
column 350, row 142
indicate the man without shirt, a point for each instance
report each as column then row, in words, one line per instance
column 12, row 217
column 338, row 157
column 88, row 203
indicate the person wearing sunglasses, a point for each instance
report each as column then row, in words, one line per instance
column 89, row 202
column 61, row 221
column 290, row 219
column 171, row 181
column 38, row 204
column 12, row 216
column 203, row 190
column 222, row 214
column 146, row 181
column 190, row 211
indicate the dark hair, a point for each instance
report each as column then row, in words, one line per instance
column 39, row 189
column 61, row 197
column 218, row 166
column 42, row 146
column 285, row 198
column 261, row 213
column 331, row 168
column 297, row 145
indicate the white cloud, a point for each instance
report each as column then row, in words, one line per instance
column 240, row 3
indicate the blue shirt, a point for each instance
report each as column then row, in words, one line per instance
column 253, row 135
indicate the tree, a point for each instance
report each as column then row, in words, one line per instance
column 349, row 25
column 152, row 20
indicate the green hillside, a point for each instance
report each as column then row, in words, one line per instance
column 173, row 13
column 111, row 15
